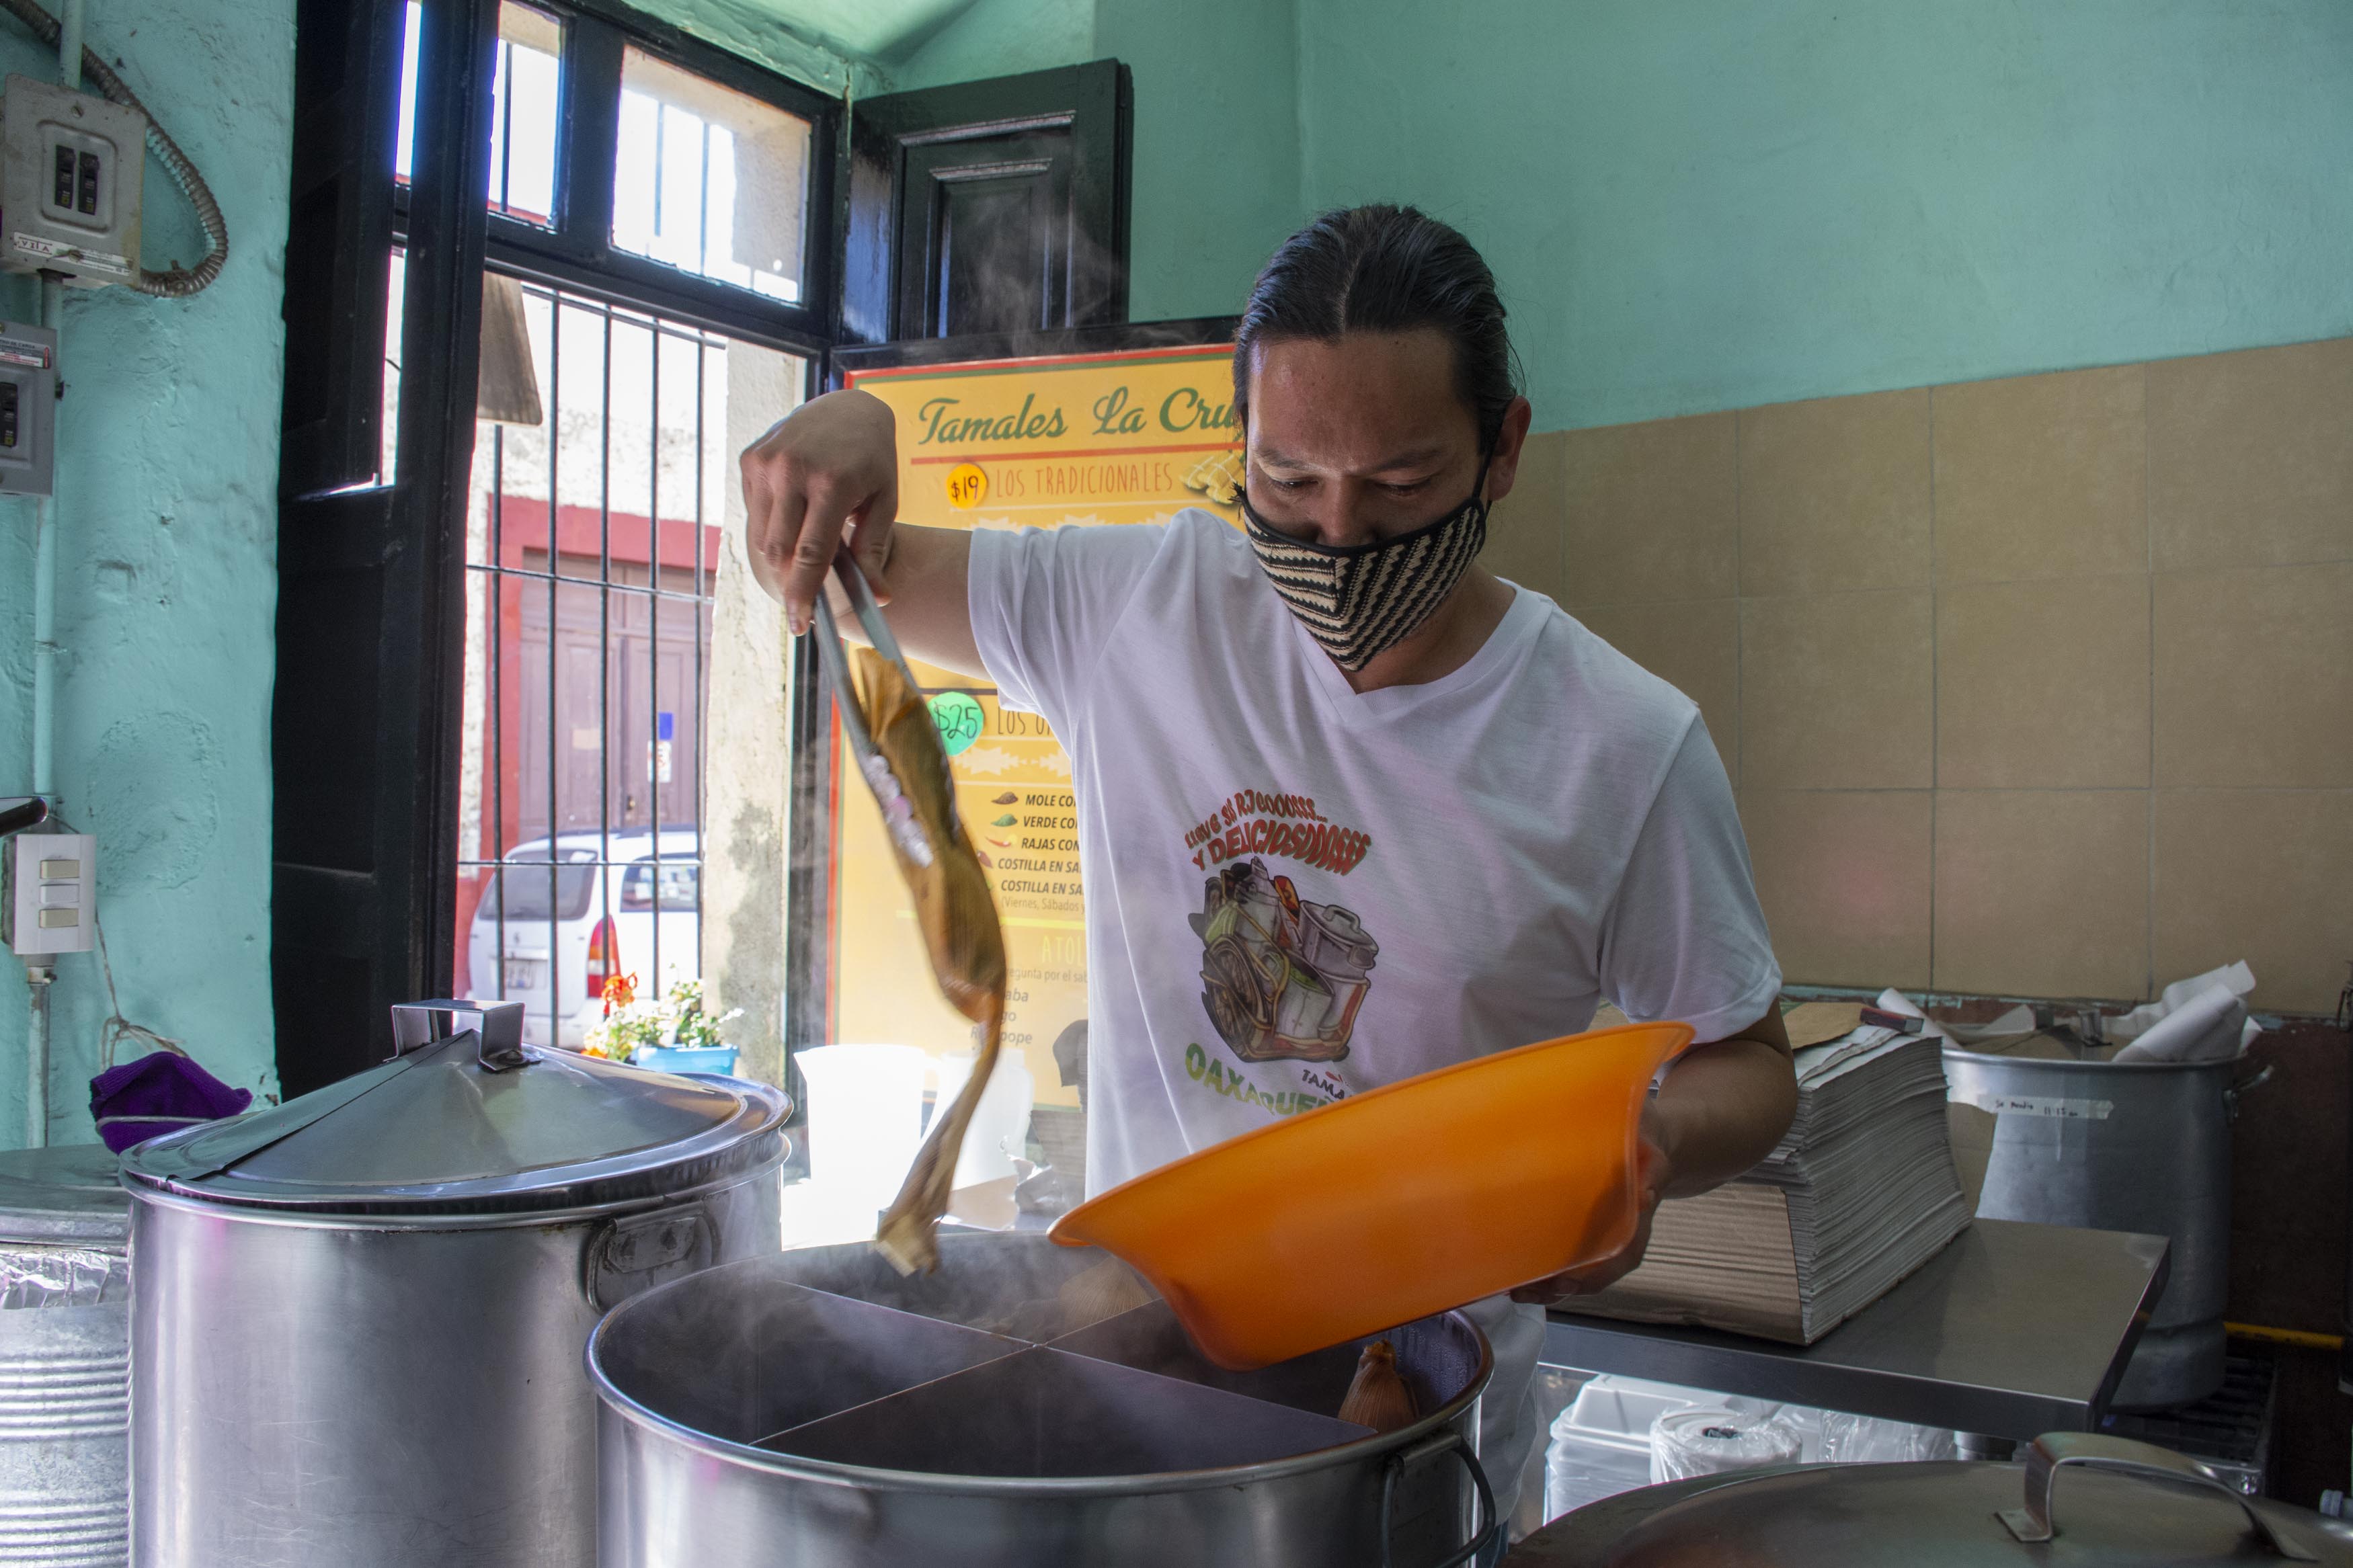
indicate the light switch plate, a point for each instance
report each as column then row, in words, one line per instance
column 53, row 893
column 71, row 165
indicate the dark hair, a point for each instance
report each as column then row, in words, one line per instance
column 1383, row 269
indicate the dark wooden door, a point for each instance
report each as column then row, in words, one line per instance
column 365, row 720
column 988, row 206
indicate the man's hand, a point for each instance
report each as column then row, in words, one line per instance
column 1653, row 1175
column 1723, row 1107
column 831, row 464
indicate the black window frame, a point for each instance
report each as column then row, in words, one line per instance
column 368, row 710
column 577, row 252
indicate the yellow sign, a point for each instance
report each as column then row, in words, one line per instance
column 1111, row 438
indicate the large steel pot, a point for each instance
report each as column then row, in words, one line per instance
column 2076, row 1498
column 357, row 1319
column 2136, row 1146
column 814, row 1409
column 64, row 1359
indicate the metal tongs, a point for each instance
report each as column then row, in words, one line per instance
column 898, row 815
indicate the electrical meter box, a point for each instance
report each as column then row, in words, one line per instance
column 28, row 409
column 70, row 166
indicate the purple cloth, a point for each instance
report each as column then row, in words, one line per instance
column 157, row 1094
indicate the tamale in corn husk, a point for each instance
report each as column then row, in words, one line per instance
column 1378, row 1396
column 958, row 917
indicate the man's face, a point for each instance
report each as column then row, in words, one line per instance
column 1366, row 438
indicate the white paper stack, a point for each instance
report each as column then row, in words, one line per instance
column 1860, row 1192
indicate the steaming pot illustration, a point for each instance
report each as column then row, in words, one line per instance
column 1282, row 978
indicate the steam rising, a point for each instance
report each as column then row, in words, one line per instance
column 1002, row 1363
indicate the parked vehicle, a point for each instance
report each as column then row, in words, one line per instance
column 580, row 909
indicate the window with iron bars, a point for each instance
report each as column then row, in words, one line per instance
column 616, row 391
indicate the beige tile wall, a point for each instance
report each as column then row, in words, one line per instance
column 2041, row 687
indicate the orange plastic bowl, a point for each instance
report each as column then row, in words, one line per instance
column 1400, row 1201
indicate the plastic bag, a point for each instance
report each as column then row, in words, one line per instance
column 1868, row 1440
column 1577, row 1473
column 1715, row 1440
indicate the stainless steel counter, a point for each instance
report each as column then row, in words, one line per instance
column 2013, row 1331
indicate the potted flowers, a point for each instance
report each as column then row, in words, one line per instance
column 672, row 1035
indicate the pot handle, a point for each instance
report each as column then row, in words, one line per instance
column 636, row 1252
column 2121, row 1456
column 1447, row 1441
column 2230, row 1095
column 497, row 1027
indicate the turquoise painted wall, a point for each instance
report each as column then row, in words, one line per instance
column 1217, row 118
column 999, row 37
column 168, row 474
column 792, row 37
column 1708, row 203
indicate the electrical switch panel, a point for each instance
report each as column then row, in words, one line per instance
column 28, row 409
column 53, row 902
column 70, row 168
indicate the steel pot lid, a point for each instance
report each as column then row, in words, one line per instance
column 466, row 1119
column 2079, row 1499
column 66, row 1194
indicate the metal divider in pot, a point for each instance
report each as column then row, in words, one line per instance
column 1044, row 1413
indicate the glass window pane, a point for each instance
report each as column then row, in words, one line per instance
column 403, row 152
column 526, row 99
column 524, row 113
column 710, row 180
column 591, row 540
column 395, row 294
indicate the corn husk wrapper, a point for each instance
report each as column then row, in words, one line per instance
column 958, row 917
column 1378, row 1396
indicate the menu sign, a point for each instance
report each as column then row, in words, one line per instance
column 1090, row 440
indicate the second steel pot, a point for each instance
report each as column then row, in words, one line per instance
column 2077, row 1498
column 2136, row 1146
column 815, row 1409
column 357, row 1318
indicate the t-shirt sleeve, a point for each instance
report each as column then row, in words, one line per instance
column 1684, row 937
column 1044, row 601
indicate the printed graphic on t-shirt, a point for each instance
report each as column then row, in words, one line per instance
column 1283, row 976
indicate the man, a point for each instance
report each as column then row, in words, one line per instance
column 1351, row 807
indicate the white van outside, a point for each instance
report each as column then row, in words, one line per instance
column 580, row 909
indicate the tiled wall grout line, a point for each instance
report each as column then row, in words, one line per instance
column 1739, row 712
column 2149, row 553
column 1936, row 609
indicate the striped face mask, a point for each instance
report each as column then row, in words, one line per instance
column 1361, row 600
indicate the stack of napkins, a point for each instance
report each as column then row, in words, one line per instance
column 1860, row 1192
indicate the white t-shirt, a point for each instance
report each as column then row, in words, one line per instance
column 1297, row 892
